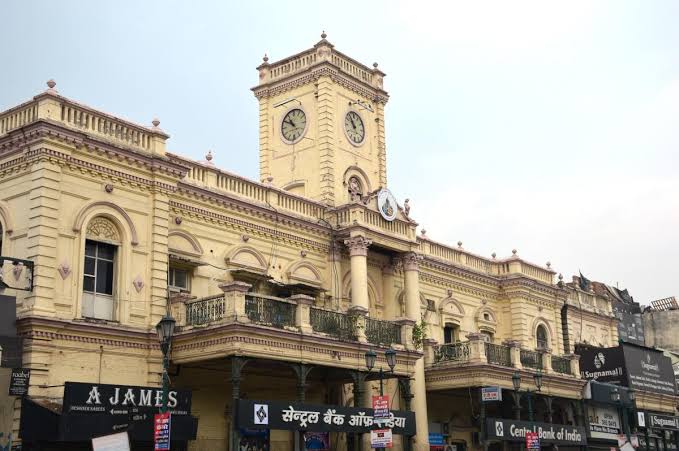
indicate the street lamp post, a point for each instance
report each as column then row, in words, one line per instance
column 516, row 381
column 622, row 411
column 165, row 330
column 371, row 358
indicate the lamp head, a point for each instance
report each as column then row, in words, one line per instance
column 390, row 355
column 165, row 328
column 615, row 394
column 537, row 377
column 516, row 380
column 370, row 359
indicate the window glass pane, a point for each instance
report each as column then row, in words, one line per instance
column 180, row 278
column 104, row 277
column 88, row 283
column 106, row 251
column 89, row 266
column 90, row 248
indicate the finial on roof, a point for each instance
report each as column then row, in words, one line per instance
column 208, row 156
column 549, row 264
column 514, row 252
column 493, row 255
column 269, row 180
column 50, row 86
column 265, row 58
column 459, row 244
column 375, row 65
column 323, row 35
column 560, row 276
column 155, row 122
column 423, row 232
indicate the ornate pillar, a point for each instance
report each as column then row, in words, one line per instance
column 237, row 364
column 358, row 248
column 412, row 301
column 391, row 308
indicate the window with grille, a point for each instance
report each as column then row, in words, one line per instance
column 179, row 279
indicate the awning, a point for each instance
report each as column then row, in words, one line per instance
column 43, row 421
column 186, row 260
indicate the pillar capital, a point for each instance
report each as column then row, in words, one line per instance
column 358, row 245
column 411, row 261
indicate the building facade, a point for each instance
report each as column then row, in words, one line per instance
column 280, row 286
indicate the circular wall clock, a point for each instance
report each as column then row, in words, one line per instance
column 293, row 126
column 354, row 128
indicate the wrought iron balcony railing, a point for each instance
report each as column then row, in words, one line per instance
column 452, row 352
column 561, row 365
column 531, row 359
column 498, row 354
column 381, row 332
column 336, row 324
column 270, row 311
column 205, row 310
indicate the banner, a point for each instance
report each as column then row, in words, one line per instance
column 162, row 423
column 515, row 431
column 532, row 440
column 321, row 418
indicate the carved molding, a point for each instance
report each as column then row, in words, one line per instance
column 411, row 261
column 82, row 214
column 358, row 245
column 102, row 228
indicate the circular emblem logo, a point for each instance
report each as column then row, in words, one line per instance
column 386, row 203
column 599, row 360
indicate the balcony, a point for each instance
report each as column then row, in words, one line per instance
column 296, row 314
column 478, row 351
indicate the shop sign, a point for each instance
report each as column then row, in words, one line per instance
column 436, row 439
column 162, row 423
column 662, row 421
column 602, row 364
column 641, row 419
column 87, row 398
column 381, row 438
column 604, row 422
column 532, row 440
column 491, row 394
column 380, row 408
column 515, row 431
column 323, row 418
column 649, row 370
column 19, row 381
column 112, row 442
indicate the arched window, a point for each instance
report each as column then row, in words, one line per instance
column 541, row 339
column 451, row 333
column 101, row 246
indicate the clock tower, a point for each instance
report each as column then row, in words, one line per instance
column 321, row 125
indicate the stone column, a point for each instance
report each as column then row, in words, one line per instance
column 391, row 308
column 358, row 247
column 412, row 301
column 477, row 348
column 546, row 361
column 575, row 364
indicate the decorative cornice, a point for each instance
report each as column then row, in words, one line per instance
column 411, row 261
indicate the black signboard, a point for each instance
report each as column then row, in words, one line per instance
column 322, row 418
column 12, row 349
column 18, row 382
column 649, row 370
column 515, row 431
column 658, row 421
column 630, row 324
column 123, row 400
column 602, row 364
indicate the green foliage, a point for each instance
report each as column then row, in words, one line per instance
column 419, row 334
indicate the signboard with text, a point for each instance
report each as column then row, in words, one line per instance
column 19, row 381
column 162, row 423
column 381, row 438
column 604, row 422
column 491, row 394
column 112, row 442
column 532, row 440
column 293, row 416
column 380, row 408
column 515, row 431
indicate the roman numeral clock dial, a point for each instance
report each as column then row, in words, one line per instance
column 293, row 126
column 354, row 128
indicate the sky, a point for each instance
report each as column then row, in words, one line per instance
column 547, row 127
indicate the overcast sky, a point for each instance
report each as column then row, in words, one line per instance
column 549, row 128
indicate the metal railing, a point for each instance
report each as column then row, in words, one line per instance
column 498, row 354
column 381, row 332
column 531, row 359
column 336, row 324
column 561, row 365
column 205, row 310
column 270, row 311
column 452, row 352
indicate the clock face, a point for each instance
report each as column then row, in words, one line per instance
column 353, row 126
column 293, row 126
